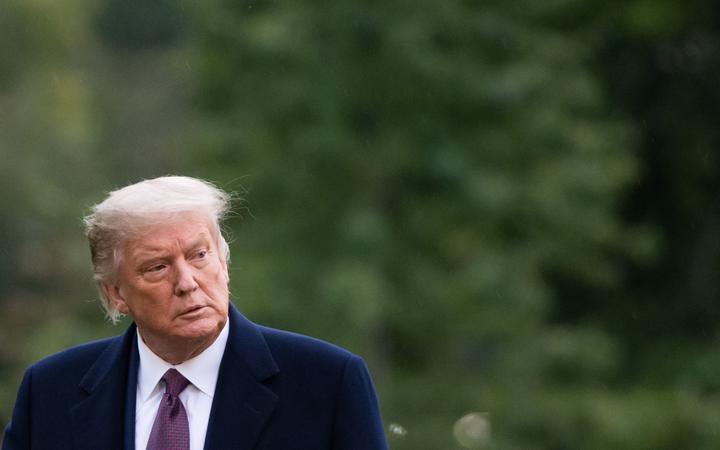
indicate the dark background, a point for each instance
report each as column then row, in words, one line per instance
column 509, row 209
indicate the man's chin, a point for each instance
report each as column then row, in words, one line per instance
column 199, row 328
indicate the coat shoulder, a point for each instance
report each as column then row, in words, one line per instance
column 288, row 340
column 74, row 360
column 295, row 349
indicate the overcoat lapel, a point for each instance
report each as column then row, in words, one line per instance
column 242, row 404
column 131, row 393
column 100, row 419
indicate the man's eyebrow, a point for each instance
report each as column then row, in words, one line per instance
column 147, row 254
column 202, row 239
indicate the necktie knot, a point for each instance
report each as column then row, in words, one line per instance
column 175, row 383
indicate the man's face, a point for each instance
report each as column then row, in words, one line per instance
column 173, row 281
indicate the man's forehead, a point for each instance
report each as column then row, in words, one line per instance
column 161, row 237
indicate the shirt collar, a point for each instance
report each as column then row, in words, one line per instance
column 201, row 371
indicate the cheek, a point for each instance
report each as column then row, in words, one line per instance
column 221, row 274
column 155, row 296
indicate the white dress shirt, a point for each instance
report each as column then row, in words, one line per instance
column 201, row 371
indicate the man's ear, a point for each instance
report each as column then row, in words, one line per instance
column 112, row 293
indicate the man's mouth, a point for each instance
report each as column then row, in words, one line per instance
column 191, row 310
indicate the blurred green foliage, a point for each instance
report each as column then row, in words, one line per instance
column 505, row 208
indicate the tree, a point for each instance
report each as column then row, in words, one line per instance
column 417, row 177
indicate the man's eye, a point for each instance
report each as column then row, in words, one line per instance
column 156, row 268
column 202, row 253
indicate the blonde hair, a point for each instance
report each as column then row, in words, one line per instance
column 125, row 211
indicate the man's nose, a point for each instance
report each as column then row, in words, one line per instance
column 184, row 279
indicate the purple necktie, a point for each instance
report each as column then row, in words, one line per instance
column 170, row 430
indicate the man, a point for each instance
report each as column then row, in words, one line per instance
column 191, row 372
